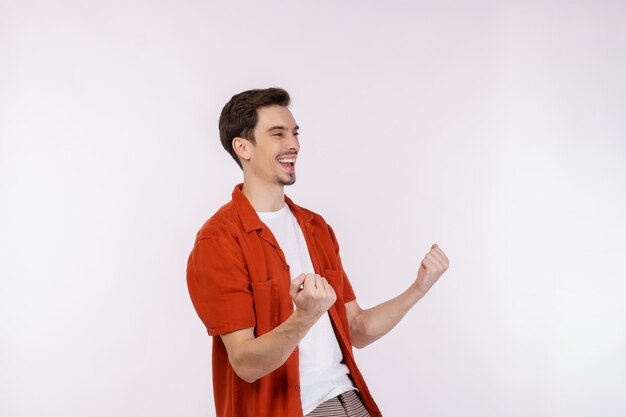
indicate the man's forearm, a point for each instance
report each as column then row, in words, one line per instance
column 254, row 358
column 371, row 324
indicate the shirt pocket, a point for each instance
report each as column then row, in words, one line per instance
column 335, row 279
column 265, row 294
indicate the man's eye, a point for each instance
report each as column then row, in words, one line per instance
column 279, row 134
column 296, row 133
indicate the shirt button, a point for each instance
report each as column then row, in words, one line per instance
column 296, row 349
column 290, row 306
column 286, row 267
column 298, row 388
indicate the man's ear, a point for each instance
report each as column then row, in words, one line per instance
column 242, row 147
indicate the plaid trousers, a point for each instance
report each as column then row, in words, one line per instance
column 347, row 404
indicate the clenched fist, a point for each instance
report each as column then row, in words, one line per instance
column 433, row 265
column 312, row 295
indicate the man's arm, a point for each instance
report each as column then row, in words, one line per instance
column 367, row 326
column 253, row 358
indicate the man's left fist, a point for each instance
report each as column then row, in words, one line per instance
column 433, row 265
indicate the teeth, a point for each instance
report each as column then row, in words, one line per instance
column 282, row 161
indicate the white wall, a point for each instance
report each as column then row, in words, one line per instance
column 496, row 129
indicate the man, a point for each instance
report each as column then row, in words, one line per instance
column 266, row 278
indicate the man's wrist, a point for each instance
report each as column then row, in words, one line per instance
column 304, row 319
column 418, row 291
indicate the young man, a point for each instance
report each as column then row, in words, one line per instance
column 266, row 278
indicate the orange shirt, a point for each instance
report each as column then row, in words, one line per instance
column 238, row 278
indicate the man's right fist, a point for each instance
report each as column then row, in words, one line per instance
column 312, row 295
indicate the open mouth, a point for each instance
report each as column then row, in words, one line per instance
column 288, row 164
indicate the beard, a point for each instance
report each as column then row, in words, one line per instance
column 285, row 181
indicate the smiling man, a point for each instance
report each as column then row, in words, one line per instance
column 266, row 278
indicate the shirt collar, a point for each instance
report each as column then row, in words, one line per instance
column 251, row 220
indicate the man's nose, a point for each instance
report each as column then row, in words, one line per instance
column 293, row 143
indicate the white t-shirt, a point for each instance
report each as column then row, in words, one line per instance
column 323, row 374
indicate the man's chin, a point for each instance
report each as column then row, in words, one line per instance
column 289, row 181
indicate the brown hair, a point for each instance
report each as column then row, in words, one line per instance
column 239, row 115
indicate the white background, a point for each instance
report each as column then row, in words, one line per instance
column 496, row 129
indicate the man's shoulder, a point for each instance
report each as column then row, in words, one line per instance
column 224, row 221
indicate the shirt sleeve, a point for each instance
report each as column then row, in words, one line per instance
column 219, row 286
column 348, row 292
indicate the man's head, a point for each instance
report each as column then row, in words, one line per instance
column 259, row 132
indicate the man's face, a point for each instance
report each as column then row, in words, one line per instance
column 273, row 158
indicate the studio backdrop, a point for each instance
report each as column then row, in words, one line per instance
column 495, row 129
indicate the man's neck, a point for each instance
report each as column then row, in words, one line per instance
column 264, row 197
